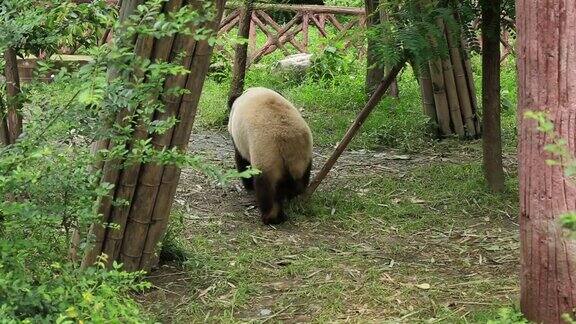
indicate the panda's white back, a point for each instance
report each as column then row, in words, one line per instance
column 268, row 129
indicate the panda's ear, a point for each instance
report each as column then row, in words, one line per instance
column 233, row 98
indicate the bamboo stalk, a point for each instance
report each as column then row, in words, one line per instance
column 144, row 219
column 471, row 87
column 440, row 99
column 13, row 103
column 428, row 96
column 450, row 86
column 353, row 129
column 158, row 50
column 146, row 191
column 167, row 188
column 461, row 84
column 110, row 168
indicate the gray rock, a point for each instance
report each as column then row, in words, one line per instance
column 297, row 63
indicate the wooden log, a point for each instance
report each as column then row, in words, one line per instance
column 335, row 22
column 233, row 14
column 440, row 99
column 461, row 83
column 241, row 53
column 231, row 24
column 321, row 21
column 269, row 49
column 13, row 100
column 281, row 33
column 252, row 37
column 279, row 29
column 320, row 25
column 271, row 38
column 305, row 21
column 353, row 129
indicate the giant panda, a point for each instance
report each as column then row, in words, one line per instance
column 269, row 134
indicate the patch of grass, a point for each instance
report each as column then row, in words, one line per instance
column 331, row 106
column 426, row 243
column 427, row 196
column 421, row 240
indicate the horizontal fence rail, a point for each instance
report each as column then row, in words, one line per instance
column 278, row 35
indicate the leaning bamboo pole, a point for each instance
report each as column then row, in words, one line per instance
column 440, row 98
column 450, row 86
column 13, row 103
column 143, row 221
column 4, row 135
column 427, row 94
column 465, row 94
column 355, row 127
column 471, row 86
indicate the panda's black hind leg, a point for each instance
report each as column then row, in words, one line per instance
column 269, row 201
column 241, row 165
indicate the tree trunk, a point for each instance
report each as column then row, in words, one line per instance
column 241, row 53
column 150, row 188
column 492, row 140
column 546, row 82
column 374, row 71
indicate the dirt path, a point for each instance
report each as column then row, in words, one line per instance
column 334, row 261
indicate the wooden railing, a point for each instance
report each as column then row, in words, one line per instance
column 279, row 35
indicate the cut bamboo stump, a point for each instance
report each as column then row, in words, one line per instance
column 150, row 188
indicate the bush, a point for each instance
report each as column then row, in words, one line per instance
column 48, row 186
column 35, row 291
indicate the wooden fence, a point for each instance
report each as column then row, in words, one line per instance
column 279, row 35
